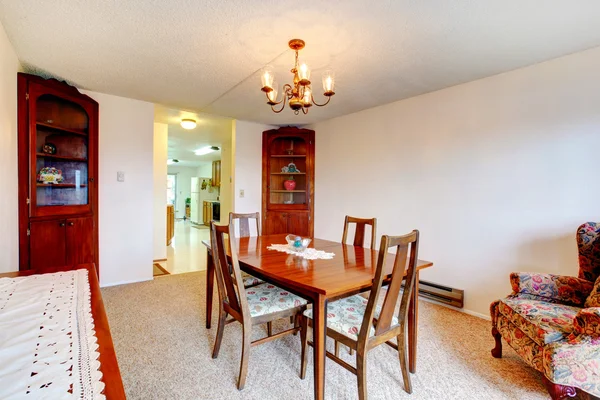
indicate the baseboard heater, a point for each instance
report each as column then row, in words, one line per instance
column 442, row 294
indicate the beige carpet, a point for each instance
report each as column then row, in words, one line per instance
column 164, row 351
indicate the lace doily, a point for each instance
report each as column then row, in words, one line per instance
column 48, row 345
column 309, row 254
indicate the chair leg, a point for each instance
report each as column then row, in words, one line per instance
column 304, row 341
column 220, row 329
column 497, row 351
column 403, row 355
column 361, row 374
column 247, row 341
column 269, row 328
column 337, row 348
column 351, row 350
column 296, row 319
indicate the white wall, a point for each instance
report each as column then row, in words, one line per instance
column 496, row 174
column 160, row 191
column 9, row 234
column 205, row 170
column 126, row 208
column 248, row 165
column 184, row 186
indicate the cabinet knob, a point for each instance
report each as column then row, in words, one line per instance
column 61, row 224
column 71, row 223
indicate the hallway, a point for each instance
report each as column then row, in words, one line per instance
column 186, row 252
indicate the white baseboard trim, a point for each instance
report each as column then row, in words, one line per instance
column 462, row 310
column 125, row 282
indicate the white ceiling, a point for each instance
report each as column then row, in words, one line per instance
column 210, row 131
column 204, row 55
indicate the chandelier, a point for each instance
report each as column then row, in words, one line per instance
column 299, row 95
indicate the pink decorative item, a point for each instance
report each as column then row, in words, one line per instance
column 290, row 184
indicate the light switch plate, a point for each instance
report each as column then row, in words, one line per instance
column 120, row 176
column 241, row 193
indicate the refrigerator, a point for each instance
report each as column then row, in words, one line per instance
column 199, row 196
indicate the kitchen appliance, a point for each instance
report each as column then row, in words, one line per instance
column 199, row 196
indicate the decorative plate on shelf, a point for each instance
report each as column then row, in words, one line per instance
column 291, row 168
column 50, row 175
column 49, row 148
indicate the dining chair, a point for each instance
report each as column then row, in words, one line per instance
column 359, row 240
column 359, row 232
column 243, row 222
column 363, row 324
column 251, row 306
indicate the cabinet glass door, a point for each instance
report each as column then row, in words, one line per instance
column 288, row 183
column 59, row 154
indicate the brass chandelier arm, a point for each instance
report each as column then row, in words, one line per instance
column 320, row 105
column 282, row 102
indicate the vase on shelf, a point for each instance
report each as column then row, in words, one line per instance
column 289, row 184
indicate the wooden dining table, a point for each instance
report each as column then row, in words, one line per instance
column 349, row 272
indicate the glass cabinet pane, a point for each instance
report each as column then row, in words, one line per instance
column 61, row 152
column 288, row 178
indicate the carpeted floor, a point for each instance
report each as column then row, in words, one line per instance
column 164, row 351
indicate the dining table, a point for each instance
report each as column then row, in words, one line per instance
column 350, row 271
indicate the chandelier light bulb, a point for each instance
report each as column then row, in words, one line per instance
column 304, row 74
column 267, row 77
column 307, row 98
column 328, row 82
column 272, row 95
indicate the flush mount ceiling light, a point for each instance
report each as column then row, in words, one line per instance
column 187, row 123
column 299, row 95
column 206, row 150
column 172, row 161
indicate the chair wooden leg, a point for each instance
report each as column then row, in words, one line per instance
column 403, row 355
column 304, row 341
column 337, row 348
column 497, row 351
column 361, row 374
column 269, row 328
column 247, row 341
column 220, row 329
column 351, row 351
column 296, row 322
column 558, row 392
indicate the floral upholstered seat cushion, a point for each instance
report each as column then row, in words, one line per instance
column 543, row 322
column 345, row 316
column 250, row 280
column 267, row 299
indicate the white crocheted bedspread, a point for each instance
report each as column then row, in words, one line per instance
column 48, row 346
column 309, row 254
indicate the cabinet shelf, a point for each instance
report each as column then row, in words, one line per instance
column 288, row 191
column 59, row 185
column 61, row 158
column 71, row 131
column 288, row 155
column 288, row 173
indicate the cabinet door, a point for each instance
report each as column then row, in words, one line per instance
column 275, row 222
column 218, row 167
column 298, row 223
column 80, row 240
column 47, row 244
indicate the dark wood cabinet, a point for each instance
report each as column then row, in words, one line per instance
column 58, row 164
column 288, row 181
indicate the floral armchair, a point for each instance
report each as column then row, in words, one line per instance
column 553, row 321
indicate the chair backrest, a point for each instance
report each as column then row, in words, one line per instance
column 229, row 281
column 405, row 269
column 588, row 243
column 244, row 223
column 359, row 233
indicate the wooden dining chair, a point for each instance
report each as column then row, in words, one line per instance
column 363, row 324
column 248, row 306
column 359, row 232
column 243, row 222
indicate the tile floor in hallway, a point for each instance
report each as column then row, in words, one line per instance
column 186, row 252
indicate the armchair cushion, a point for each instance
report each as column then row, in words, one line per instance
column 587, row 321
column 541, row 321
column 564, row 289
column 593, row 299
column 588, row 242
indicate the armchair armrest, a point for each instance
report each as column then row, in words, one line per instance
column 564, row 289
column 587, row 321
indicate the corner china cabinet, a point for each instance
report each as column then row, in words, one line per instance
column 58, row 166
column 288, row 181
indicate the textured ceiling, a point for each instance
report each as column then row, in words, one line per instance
column 209, row 131
column 204, row 55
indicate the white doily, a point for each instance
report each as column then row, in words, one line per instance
column 48, row 345
column 309, row 254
